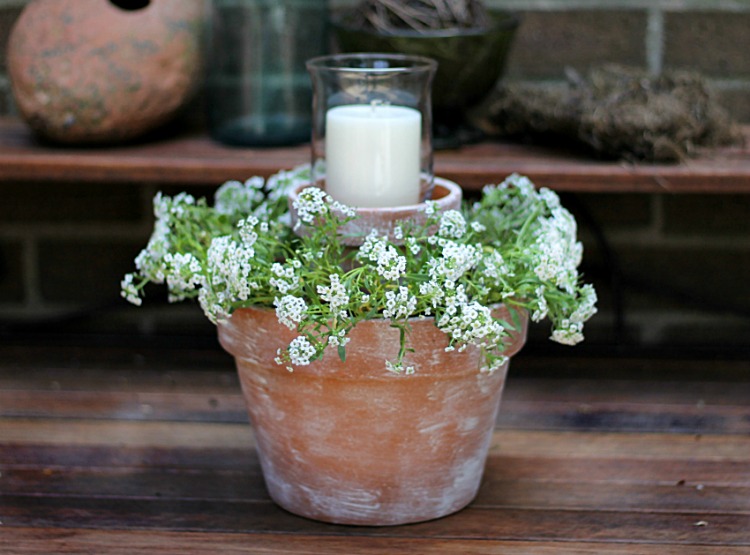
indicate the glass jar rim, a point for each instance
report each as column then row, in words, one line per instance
column 372, row 63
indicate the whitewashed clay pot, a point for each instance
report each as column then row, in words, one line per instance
column 352, row 443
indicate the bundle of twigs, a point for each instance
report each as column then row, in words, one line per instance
column 420, row 15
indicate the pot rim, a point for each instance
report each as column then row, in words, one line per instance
column 447, row 195
column 418, row 324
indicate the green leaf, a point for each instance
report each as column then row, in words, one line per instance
column 516, row 318
column 342, row 353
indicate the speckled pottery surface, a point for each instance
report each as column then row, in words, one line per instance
column 352, row 443
column 88, row 71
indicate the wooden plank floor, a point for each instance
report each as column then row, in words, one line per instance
column 119, row 458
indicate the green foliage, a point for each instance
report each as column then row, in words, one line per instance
column 516, row 246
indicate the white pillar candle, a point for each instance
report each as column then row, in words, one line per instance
column 373, row 155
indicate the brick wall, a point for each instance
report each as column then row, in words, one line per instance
column 710, row 36
column 684, row 259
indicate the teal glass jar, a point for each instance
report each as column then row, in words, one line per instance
column 258, row 92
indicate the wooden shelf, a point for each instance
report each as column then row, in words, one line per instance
column 195, row 159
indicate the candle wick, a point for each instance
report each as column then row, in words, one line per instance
column 374, row 103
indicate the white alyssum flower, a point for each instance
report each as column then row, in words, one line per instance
column 469, row 322
column 452, row 225
column 234, row 197
column 399, row 305
column 432, row 291
column 151, row 262
column 290, row 310
column 550, row 198
column 184, row 275
column 301, row 351
column 568, row 333
column 398, row 368
column 129, row 291
column 520, row 182
column 338, row 339
column 214, row 304
column 230, row 278
column 341, row 209
column 166, row 207
column 285, row 278
column 413, row 244
column 586, row 305
column 335, row 295
column 311, row 204
column 431, row 207
column 231, row 265
column 249, row 228
column 557, row 254
column 280, row 184
column 390, row 265
column 496, row 267
column 495, row 364
column 477, row 227
column 542, row 308
column 457, row 259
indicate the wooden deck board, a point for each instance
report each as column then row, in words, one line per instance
column 27, row 541
column 147, row 461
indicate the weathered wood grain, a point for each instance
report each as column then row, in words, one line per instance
column 242, row 458
column 673, row 414
column 111, row 460
column 197, row 160
column 471, row 523
column 28, row 541
column 497, row 491
column 540, row 404
column 574, row 445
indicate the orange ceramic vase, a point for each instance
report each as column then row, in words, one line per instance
column 352, row 443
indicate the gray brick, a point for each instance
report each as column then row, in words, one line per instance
column 84, row 271
column 736, row 101
column 11, row 272
column 707, row 215
column 547, row 42
column 53, row 202
column 714, row 43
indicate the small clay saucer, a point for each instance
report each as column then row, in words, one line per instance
column 446, row 194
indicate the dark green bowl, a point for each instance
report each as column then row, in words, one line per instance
column 470, row 61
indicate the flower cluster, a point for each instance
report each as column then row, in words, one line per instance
column 517, row 245
column 390, row 265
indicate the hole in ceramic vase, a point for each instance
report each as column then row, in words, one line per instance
column 130, row 5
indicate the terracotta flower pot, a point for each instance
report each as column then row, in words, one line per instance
column 352, row 443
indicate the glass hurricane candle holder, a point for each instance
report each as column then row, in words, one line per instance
column 372, row 128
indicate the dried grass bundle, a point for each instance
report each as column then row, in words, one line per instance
column 615, row 112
